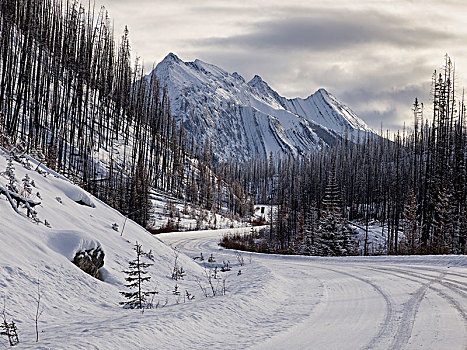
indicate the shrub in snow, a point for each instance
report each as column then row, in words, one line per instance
column 27, row 184
column 9, row 330
column 176, row 291
column 225, row 266
column 240, row 259
column 201, row 257
column 188, row 295
column 39, row 310
column 177, row 272
column 25, row 162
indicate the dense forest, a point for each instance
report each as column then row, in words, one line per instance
column 71, row 96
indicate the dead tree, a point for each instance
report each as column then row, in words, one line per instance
column 15, row 197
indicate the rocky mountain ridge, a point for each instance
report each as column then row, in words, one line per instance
column 242, row 118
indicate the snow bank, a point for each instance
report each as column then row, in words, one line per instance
column 75, row 193
column 68, row 243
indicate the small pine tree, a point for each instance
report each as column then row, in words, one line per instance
column 335, row 237
column 10, row 173
column 27, row 184
column 136, row 277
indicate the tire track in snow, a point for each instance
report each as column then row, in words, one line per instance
column 454, row 303
column 387, row 326
column 461, row 290
column 437, row 269
column 456, row 286
column 409, row 313
column 413, row 303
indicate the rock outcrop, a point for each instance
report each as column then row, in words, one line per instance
column 90, row 261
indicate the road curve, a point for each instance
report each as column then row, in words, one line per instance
column 341, row 303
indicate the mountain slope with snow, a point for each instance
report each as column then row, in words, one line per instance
column 244, row 118
column 70, row 220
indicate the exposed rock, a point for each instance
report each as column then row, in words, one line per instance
column 90, row 261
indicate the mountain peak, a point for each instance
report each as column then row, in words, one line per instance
column 261, row 85
column 257, row 80
column 171, row 57
column 323, row 91
column 238, row 77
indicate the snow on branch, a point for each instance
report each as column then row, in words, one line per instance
column 13, row 196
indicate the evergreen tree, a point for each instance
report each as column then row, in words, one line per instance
column 136, row 277
column 411, row 226
column 10, row 174
column 27, row 184
column 335, row 237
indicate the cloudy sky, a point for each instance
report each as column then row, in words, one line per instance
column 376, row 56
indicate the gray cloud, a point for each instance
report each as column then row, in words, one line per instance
column 390, row 108
column 330, row 30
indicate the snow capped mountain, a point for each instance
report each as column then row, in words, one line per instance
column 241, row 119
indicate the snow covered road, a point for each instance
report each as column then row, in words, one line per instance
column 299, row 302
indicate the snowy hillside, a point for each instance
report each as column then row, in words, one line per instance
column 243, row 118
column 70, row 220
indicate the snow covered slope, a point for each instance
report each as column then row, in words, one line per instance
column 32, row 251
column 243, row 118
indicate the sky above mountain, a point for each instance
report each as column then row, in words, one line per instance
column 375, row 56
